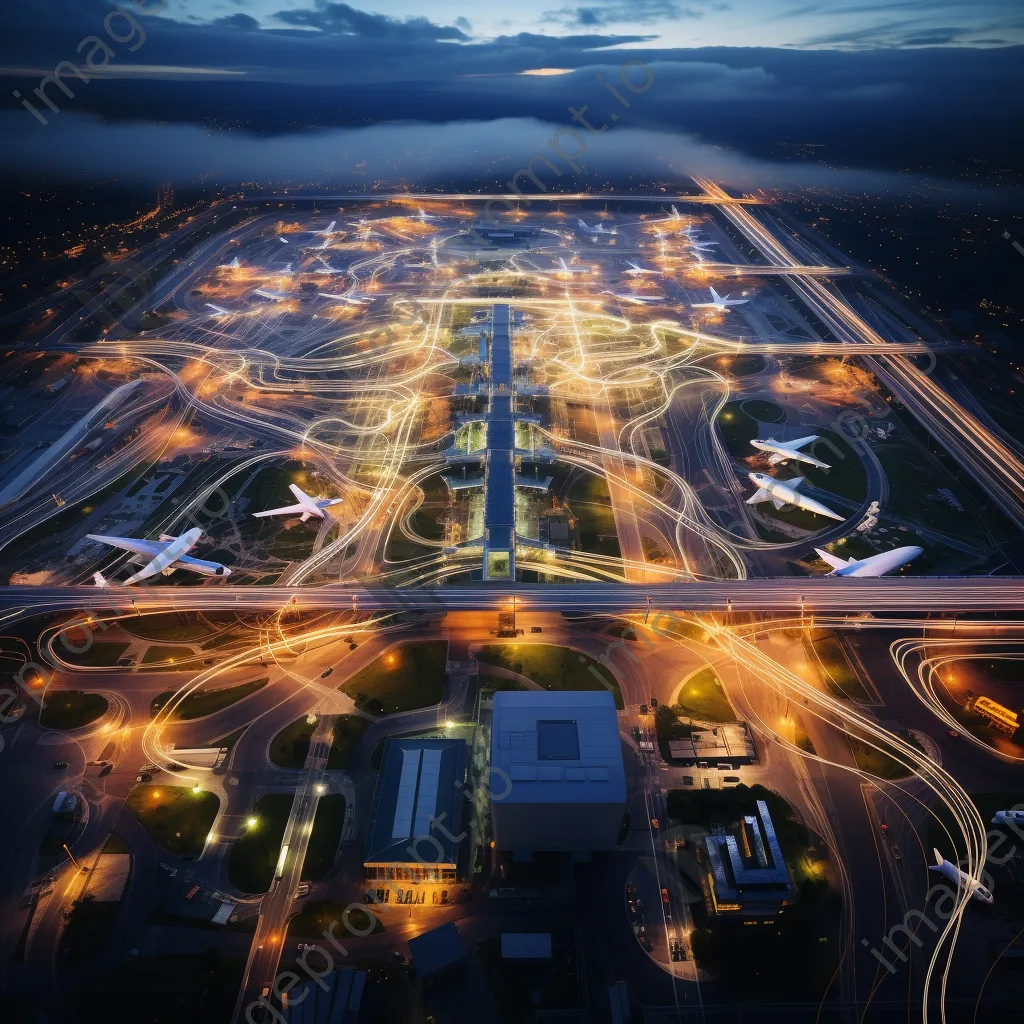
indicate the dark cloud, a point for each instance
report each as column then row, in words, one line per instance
column 240, row 21
column 609, row 12
column 341, row 19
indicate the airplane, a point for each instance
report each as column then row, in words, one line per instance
column 307, row 506
column 283, row 241
column 636, row 270
column 219, row 310
column 275, row 296
column 235, row 264
column 425, row 217
column 599, row 230
column 782, row 451
column 784, row 492
column 874, row 565
column 328, row 234
column 963, row 880
column 636, row 299
column 1008, row 818
column 166, row 554
column 721, row 302
column 352, row 300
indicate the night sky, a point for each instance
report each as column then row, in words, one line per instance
column 848, row 93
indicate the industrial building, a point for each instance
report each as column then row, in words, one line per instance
column 748, row 876
column 729, row 744
column 415, row 823
column 558, row 782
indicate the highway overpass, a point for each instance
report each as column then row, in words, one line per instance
column 820, row 595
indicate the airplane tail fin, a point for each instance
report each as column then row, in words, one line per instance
column 939, row 859
column 836, row 563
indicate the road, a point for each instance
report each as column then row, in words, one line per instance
column 825, row 594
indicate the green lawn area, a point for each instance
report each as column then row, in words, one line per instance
column 180, row 626
column 101, row 654
column 348, row 731
column 554, row 668
column 174, row 817
column 591, row 504
column 253, row 858
column 325, row 837
column 737, row 429
column 405, row 678
column 826, row 653
column 288, row 749
column 316, row 917
column 490, row 685
column 765, row 412
column 207, row 702
column 875, row 762
column 703, row 697
column 71, row 709
column 158, row 654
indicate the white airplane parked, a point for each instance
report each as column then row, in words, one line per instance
column 352, row 300
column 785, row 492
column 721, row 303
column 219, row 310
column 307, row 506
column 599, row 230
column 1008, row 818
column 328, row 234
column 283, row 241
column 789, row 451
column 635, row 298
column 963, row 880
column 235, row 264
column 874, row 565
column 635, row 270
column 166, row 554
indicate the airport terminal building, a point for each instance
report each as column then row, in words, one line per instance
column 558, row 782
column 415, row 823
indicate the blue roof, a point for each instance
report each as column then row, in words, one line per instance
column 532, row 736
column 418, row 779
column 437, row 949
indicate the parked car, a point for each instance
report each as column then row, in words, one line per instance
column 730, row 778
column 60, row 765
column 326, row 672
column 143, row 777
column 536, row 629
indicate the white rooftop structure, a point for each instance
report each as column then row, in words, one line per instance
column 563, row 780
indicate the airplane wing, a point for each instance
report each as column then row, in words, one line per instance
column 795, row 482
column 836, row 563
column 288, row 510
column 778, row 503
column 139, row 547
column 801, row 441
column 758, row 496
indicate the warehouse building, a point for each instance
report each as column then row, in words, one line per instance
column 558, row 782
column 415, row 823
